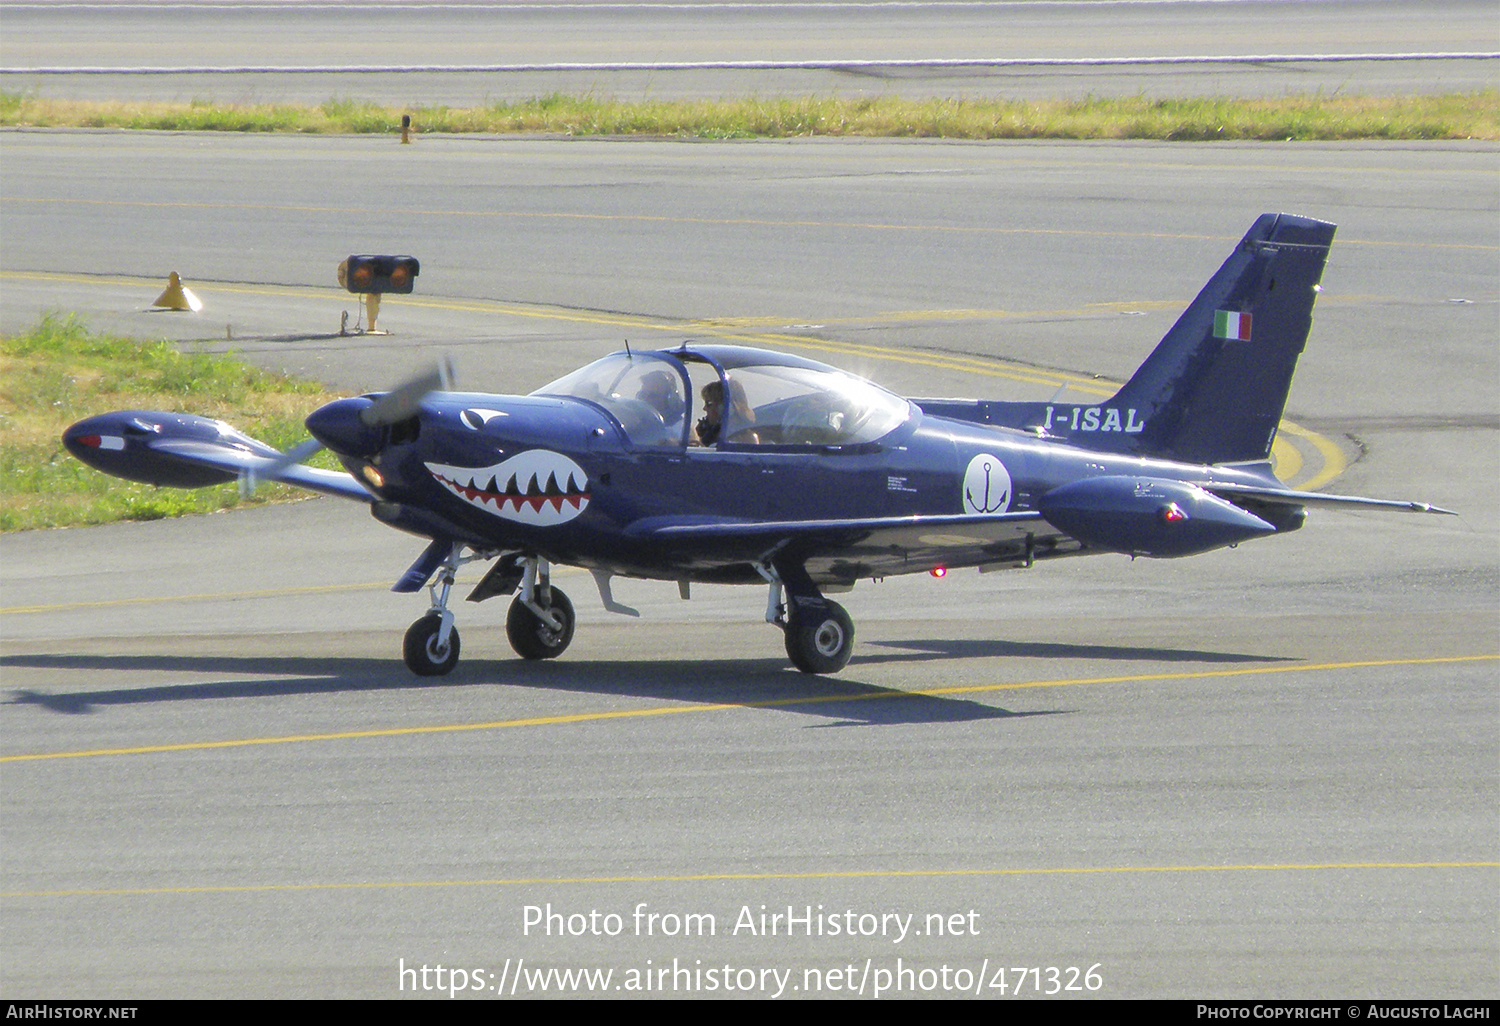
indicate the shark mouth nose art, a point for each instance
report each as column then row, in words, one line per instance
column 537, row 487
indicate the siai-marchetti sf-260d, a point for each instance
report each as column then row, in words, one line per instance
column 712, row 463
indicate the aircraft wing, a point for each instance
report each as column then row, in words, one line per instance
column 846, row 550
column 1281, row 497
column 237, row 461
column 182, row 450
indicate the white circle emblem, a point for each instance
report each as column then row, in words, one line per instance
column 986, row 485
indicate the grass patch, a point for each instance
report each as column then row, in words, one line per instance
column 60, row 372
column 1473, row 115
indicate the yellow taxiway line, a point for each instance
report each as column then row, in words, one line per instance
column 835, row 874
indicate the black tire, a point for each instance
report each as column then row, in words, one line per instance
column 533, row 639
column 420, row 650
column 820, row 642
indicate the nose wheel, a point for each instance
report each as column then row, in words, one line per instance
column 425, row 652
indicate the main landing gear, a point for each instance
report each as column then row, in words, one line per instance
column 818, row 632
column 539, row 625
column 540, row 622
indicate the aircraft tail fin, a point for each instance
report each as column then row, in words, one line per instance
column 1214, row 388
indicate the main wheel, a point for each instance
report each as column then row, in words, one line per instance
column 534, row 639
column 820, row 642
column 421, row 651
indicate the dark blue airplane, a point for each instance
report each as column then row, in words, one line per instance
column 710, row 463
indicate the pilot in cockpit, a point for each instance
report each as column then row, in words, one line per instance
column 659, row 391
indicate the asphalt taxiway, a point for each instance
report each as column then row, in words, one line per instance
column 1270, row 771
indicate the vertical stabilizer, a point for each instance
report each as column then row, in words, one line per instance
column 1214, row 389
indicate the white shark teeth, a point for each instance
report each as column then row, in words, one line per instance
column 563, row 496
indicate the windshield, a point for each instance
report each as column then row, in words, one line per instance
column 642, row 391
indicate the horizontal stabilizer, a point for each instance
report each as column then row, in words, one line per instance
column 1283, row 497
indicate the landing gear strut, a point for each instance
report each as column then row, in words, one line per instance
column 431, row 645
column 540, row 622
column 819, row 634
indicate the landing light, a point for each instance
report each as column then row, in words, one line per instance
column 372, row 475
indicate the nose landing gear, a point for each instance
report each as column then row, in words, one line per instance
column 431, row 645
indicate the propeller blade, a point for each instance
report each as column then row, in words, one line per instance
column 251, row 479
column 402, row 401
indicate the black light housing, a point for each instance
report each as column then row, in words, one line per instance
column 379, row 274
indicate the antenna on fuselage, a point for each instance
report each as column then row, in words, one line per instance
column 628, row 353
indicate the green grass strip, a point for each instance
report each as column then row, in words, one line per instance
column 1473, row 115
column 60, row 372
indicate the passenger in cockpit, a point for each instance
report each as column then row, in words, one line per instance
column 712, row 422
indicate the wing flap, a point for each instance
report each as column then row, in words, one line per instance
column 846, row 550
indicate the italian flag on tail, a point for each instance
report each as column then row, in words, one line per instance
column 1228, row 324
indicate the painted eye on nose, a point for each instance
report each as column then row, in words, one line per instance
column 476, row 419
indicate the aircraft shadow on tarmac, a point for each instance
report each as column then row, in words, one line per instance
column 764, row 683
column 755, row 683
column 984, row 648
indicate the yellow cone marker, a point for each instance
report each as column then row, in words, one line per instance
column 178, row 298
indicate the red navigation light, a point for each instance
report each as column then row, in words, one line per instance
column 1171, row 513
column 939, row 571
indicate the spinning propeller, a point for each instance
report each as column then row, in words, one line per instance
column 344, row 423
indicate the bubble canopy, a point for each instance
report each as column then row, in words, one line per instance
column 772, row 399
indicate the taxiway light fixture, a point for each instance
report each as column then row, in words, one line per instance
column 379, row 274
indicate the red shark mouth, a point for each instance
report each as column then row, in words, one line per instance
column 534, row 487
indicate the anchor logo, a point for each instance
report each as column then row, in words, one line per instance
column 986, row 485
